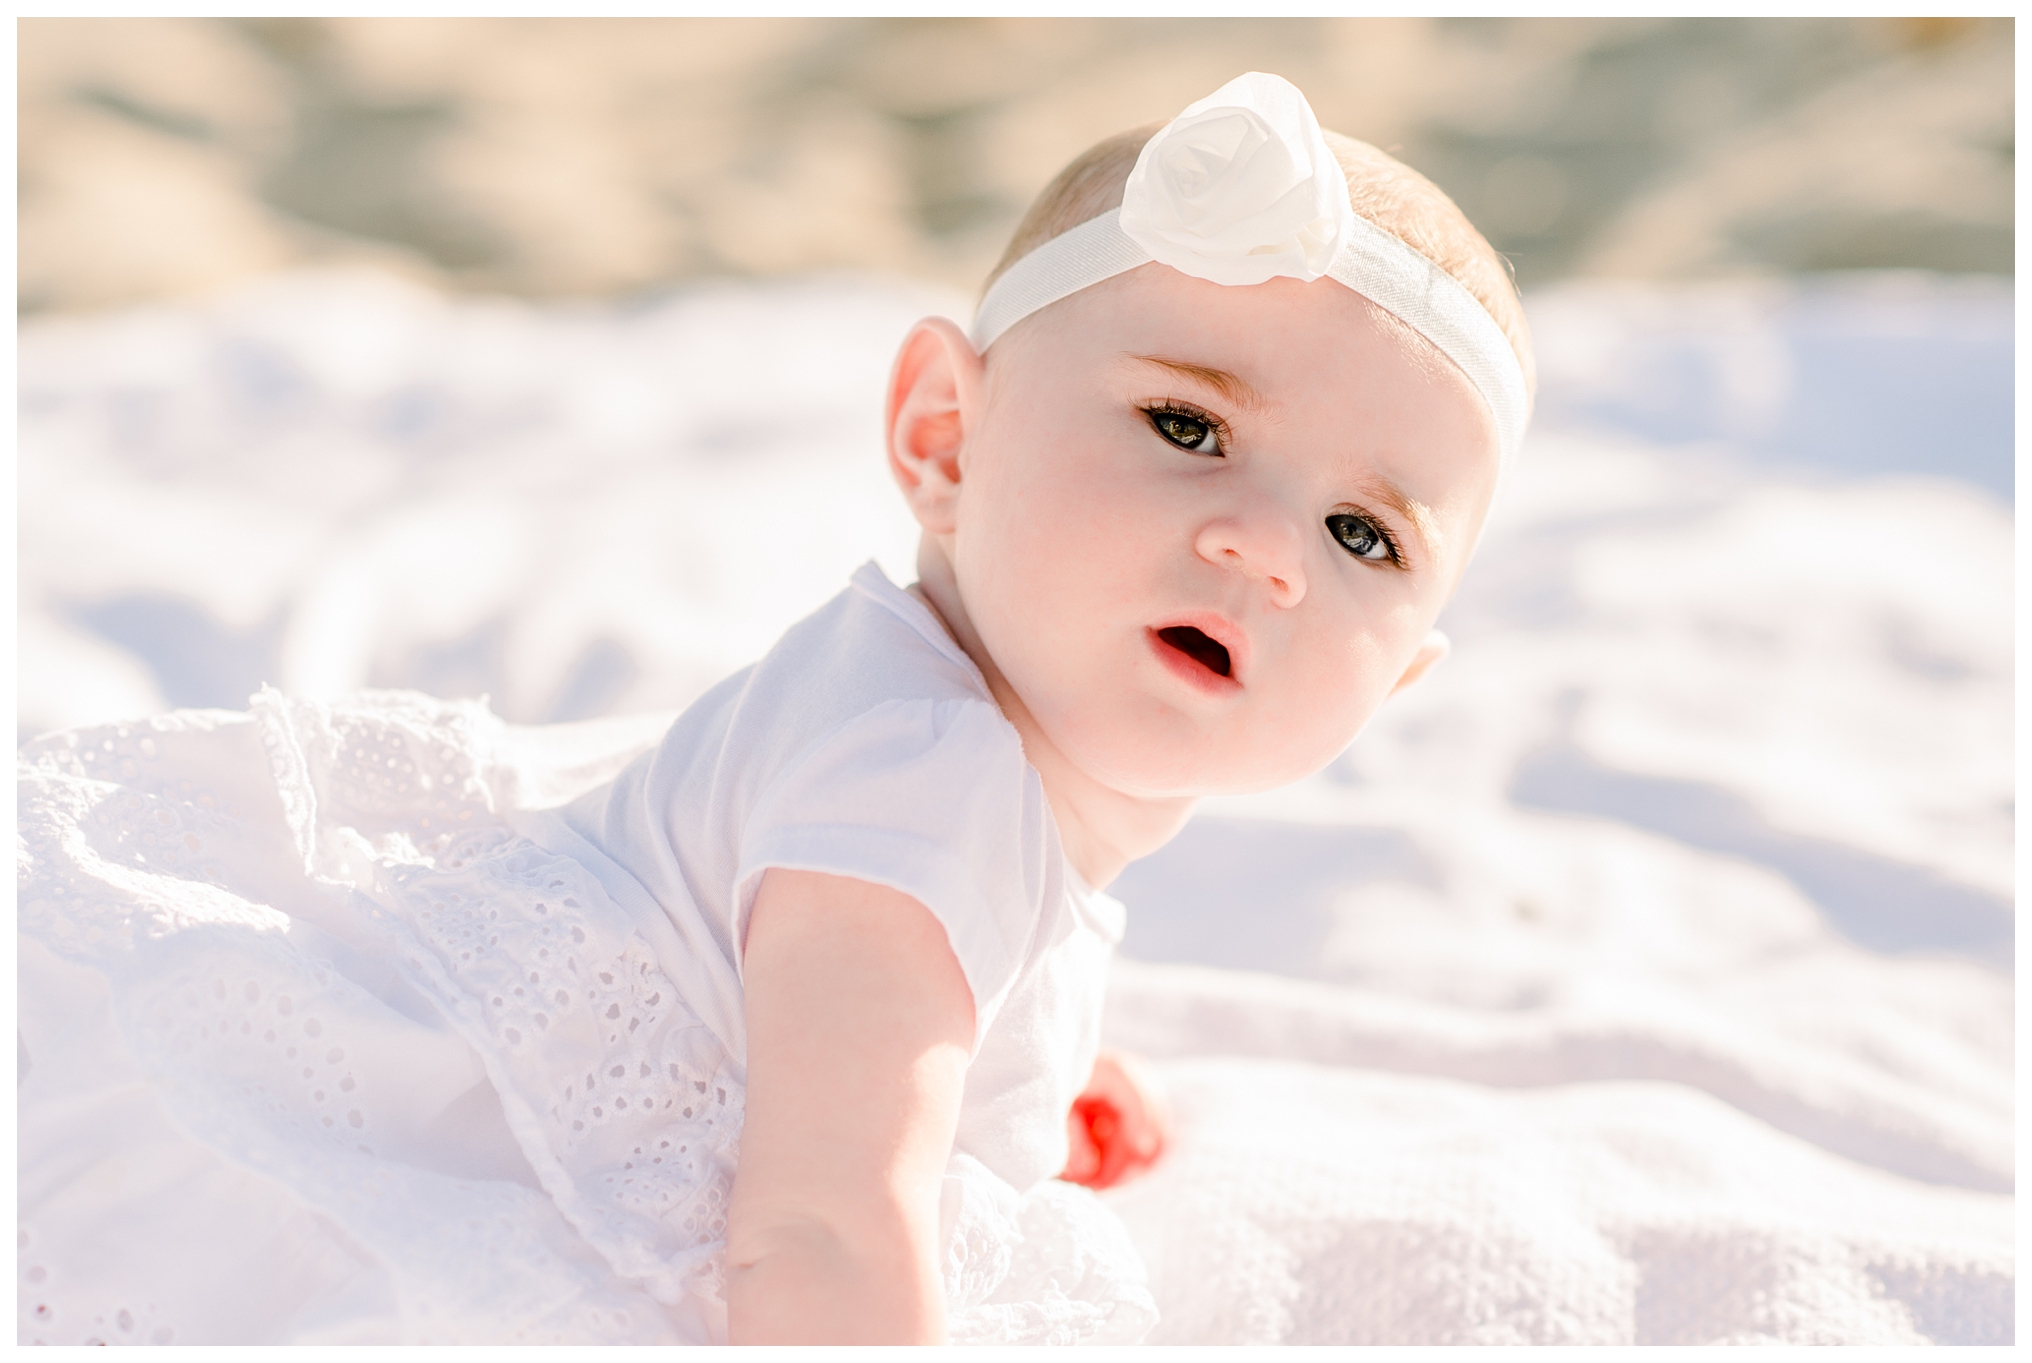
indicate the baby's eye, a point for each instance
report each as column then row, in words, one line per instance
column 1361, row 537
column 1186, row 431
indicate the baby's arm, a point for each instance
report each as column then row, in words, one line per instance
column 859, row 1026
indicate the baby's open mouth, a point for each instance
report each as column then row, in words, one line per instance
column 1208, row 653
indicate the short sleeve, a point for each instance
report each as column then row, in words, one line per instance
column 932, row 798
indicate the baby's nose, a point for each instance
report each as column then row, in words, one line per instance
column 1264, row 547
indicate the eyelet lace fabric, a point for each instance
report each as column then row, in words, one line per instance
column 314, row 1047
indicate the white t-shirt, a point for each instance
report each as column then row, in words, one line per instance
column 867, row 744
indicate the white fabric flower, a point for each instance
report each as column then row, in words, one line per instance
column 1240, row 187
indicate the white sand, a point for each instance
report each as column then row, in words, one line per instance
column 1643, row 975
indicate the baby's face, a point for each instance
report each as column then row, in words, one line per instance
column 1203, row 530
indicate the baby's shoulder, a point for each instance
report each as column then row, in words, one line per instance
column 874, row 642
column 872, row 653
column 867, row 696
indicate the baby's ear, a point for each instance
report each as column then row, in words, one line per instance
column 933, row 393
column 1429, row 653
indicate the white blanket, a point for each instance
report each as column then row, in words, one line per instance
column 1642, row 976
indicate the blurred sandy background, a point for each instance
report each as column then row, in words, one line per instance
column 586, row 158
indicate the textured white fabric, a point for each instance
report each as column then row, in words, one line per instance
column 317, row 1047
column 1241, row 188
column 1358, row 1168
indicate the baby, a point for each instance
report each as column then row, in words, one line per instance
column 1185, row 525
column 794, row 1020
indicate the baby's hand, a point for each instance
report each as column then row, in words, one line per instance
column 1119, row 1126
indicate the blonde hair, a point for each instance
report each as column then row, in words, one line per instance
column 1381, row 188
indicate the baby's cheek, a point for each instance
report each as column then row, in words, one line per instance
column 1334, row 699
column 1032, row 532
column 1061, row 564
column 1095, row 534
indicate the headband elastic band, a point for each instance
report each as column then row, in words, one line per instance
column 1239, row 188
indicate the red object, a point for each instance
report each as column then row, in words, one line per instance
column 1101, row 1153
column 1119, row 1126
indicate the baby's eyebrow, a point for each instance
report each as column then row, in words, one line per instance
column 1423, row 524
column 1232, row 387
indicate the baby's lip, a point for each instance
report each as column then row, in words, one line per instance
column 1194, row 642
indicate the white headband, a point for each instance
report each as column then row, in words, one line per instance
column 1240, row 188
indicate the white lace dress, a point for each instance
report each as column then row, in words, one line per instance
column 314, row 1047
